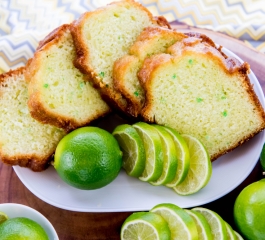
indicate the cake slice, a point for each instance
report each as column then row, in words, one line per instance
column 151, row 41
column 59, row 94
column 106, row 34
column 196, row 90
column 23, row 140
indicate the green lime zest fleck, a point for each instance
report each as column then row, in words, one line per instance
column 174, row 76
column 190, row 61
column 199, row 99
column 162, row 100
column 223, row 97
column 102, row 74
column 136, row 93
column 82, row 84
column 224, row 113
column 46, row 85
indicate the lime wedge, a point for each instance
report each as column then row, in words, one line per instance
column 145, row 226
column 3, row 217
column 132, row 148
column 170, row 159
column 153, row 151
column 238, row 236
column 217, row 224
column 180, row 223
column 230, row 232
column 203, row 227
column 183, row 156
column 200, row 170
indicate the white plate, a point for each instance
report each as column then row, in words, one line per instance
column 129, row 194
column 13, row 210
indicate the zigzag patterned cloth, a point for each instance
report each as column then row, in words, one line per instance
column 24, row 23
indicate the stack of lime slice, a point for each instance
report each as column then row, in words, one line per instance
column 161, row 156
column 181, row 224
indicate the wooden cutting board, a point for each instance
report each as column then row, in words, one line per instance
column 82, row 226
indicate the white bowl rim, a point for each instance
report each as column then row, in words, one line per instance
column 48, row 226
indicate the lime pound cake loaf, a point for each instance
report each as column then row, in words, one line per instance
column 151, row 41
column 23, row 140
column 103, row 36
column 59, row 94
column 196, row 90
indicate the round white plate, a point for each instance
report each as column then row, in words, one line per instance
column 13, row 210
column 129, row 194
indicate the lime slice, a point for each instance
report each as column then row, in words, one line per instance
column 238, row 236
column 3, row 217
column 180, row 223
column 230, row 232
column 183, row 156
column 217, row 224
column 200, row 170
column 145, row 225
column 170, row 159
column 132, row 147
column 153, row 151
column 203, row 227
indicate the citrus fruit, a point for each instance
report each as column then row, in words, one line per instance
column 180, row 223
column 217, row 224
column 238, row 236
column 132, row 147
column 153, row 151
column 203, row 227
column 22, row 228
column 249, row 211
column 88, row 158
column 3, row 217
column 145, row 226
column 183, row 156
column 200, row 169
column 170, row 158
column 230, row 232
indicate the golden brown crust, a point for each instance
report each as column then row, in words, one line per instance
column 113, row 97
column 230, row 65
column 32, row 161
column 37, row 109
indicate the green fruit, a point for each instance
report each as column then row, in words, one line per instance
column 249, row 211
column 21, row 228
column 88, row 158
column 145, row 225
column 262, row 157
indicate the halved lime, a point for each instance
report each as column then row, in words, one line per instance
column 230, row 232
column 217, row 224
column 170, row 157
column 203, row 227
column 200, row 170
column 3, row 217
column 132, row 148
column 180, row 223
column 153, row 151
column 183, row 156
column 238, row 236
column 145, row 226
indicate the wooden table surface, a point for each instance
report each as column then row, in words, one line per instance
column 77, row 225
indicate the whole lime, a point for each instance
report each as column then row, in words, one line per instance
column 249, row 211
column 88, row 158
column 22, row 228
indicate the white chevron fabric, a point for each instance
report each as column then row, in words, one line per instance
column 24, row 22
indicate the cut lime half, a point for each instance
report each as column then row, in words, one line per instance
column 145, row 226
column 153, row 151
column 132, row 148
column 180, row 223
column 170, row 157
column 200, row 170
column 217, row 224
